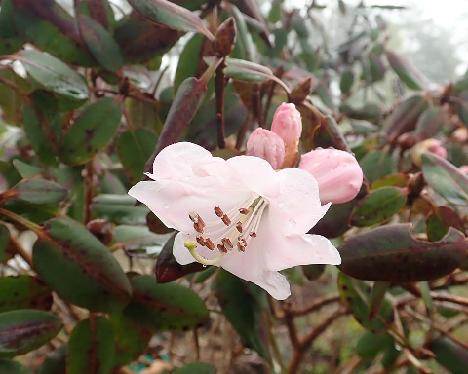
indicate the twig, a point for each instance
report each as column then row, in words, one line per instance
column 320, row 303
column 219, row 102
column 307, row 341
column 21, row 251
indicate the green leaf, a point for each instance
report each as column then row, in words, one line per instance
column 91, row 132
column 101, row 43
column 243, row 305
column 379, row 206
column 406, row 71
column 404, row 116
column 172, row 15
column 346, row 81
column 445, row 179
column 356, row 296
column 37, row 136
column 244, row 42
column 134, row 147
column 11, row 39
column 5, row 240
column 336, row 221
column 80, row 268
column 188, row 64
column 22, row 331
column 131, row 339
column 430, row 122
column 450, row 355
column 40, row 191
column 374, row 255
column 91, row 347
column 165, row 306
column 370, row 345
column 377, row 164
column 24, row 292
column 53, row 74
column 247, row 71
column 54, row 363
column 196, row 368
column 13, row 367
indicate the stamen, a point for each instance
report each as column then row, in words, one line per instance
column 244, row 211
column 226, row 220
column 200, row 240
column 222, row 248
column 209, row 243
column 253, row 234
column 240, row 247
column 192, row 248
column 198, row 223
column 218, row 211
column 226, row 242
column 239, row 227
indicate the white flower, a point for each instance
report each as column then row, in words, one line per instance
column 238, row 214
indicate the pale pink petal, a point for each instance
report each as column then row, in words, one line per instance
column 255, row 174
column 297, row 207
column 172, row 201
column 275, row 284
column 181, row 254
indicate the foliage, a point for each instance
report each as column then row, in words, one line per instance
column 86, row 103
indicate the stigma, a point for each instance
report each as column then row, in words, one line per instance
column 227, row 231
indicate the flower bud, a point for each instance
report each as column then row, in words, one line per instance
column 338, row 174
column 287, row 124
column 429, row 145
column 267, row 145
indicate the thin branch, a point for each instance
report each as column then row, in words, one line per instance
column 320, row 303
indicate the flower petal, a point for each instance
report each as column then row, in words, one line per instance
column 275, row 284
column 173, row 201
column 255, row 174
column 297, row 208
column 181, row 254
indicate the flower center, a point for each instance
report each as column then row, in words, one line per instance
column 230, row 230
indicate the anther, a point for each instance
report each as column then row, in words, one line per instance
column 252, row 234
column 227, row 243
column 225, row 220
column 222, row 248
column 241, row 247
column 200, row 240
column 244, row 211
column 239, row 226
column 209, row 243
column 198, row 223
column 243, row 242
column 218, row 211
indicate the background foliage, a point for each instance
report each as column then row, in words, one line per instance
column 89, row 283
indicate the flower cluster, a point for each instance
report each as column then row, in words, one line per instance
column 243, row 215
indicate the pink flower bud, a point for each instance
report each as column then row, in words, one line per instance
column 287, row 124
column 267, row 145
column 338, row 174
column 463, row 169
column 429, row 145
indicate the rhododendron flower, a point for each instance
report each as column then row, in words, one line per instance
column 267, row 145
column 429, row 145
column 238, row 214
column 338, row 174
column 288, row 125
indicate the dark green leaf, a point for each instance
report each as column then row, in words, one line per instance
column 91, row 132
column 336, row 221
column 24, row 292
column 4, row 243
column 356, row 296
column 13, row 367
column 450, row 355
column 346, row 81
column 376, row 254
column 134, row 147
column 377, row 164
column 370, row 345
column 242, row 304
column 380, row 205
column 445, row 179
column 80, row 268
column 53, row 74
column 22, row 331
column 189, row 61
column 40, row 191
column 91, row 347
column 172, row 15
column 165, row 306
column 430, row 122
column 406, row 71
column 131, row 339
column 101, row 43
column 54, row 362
